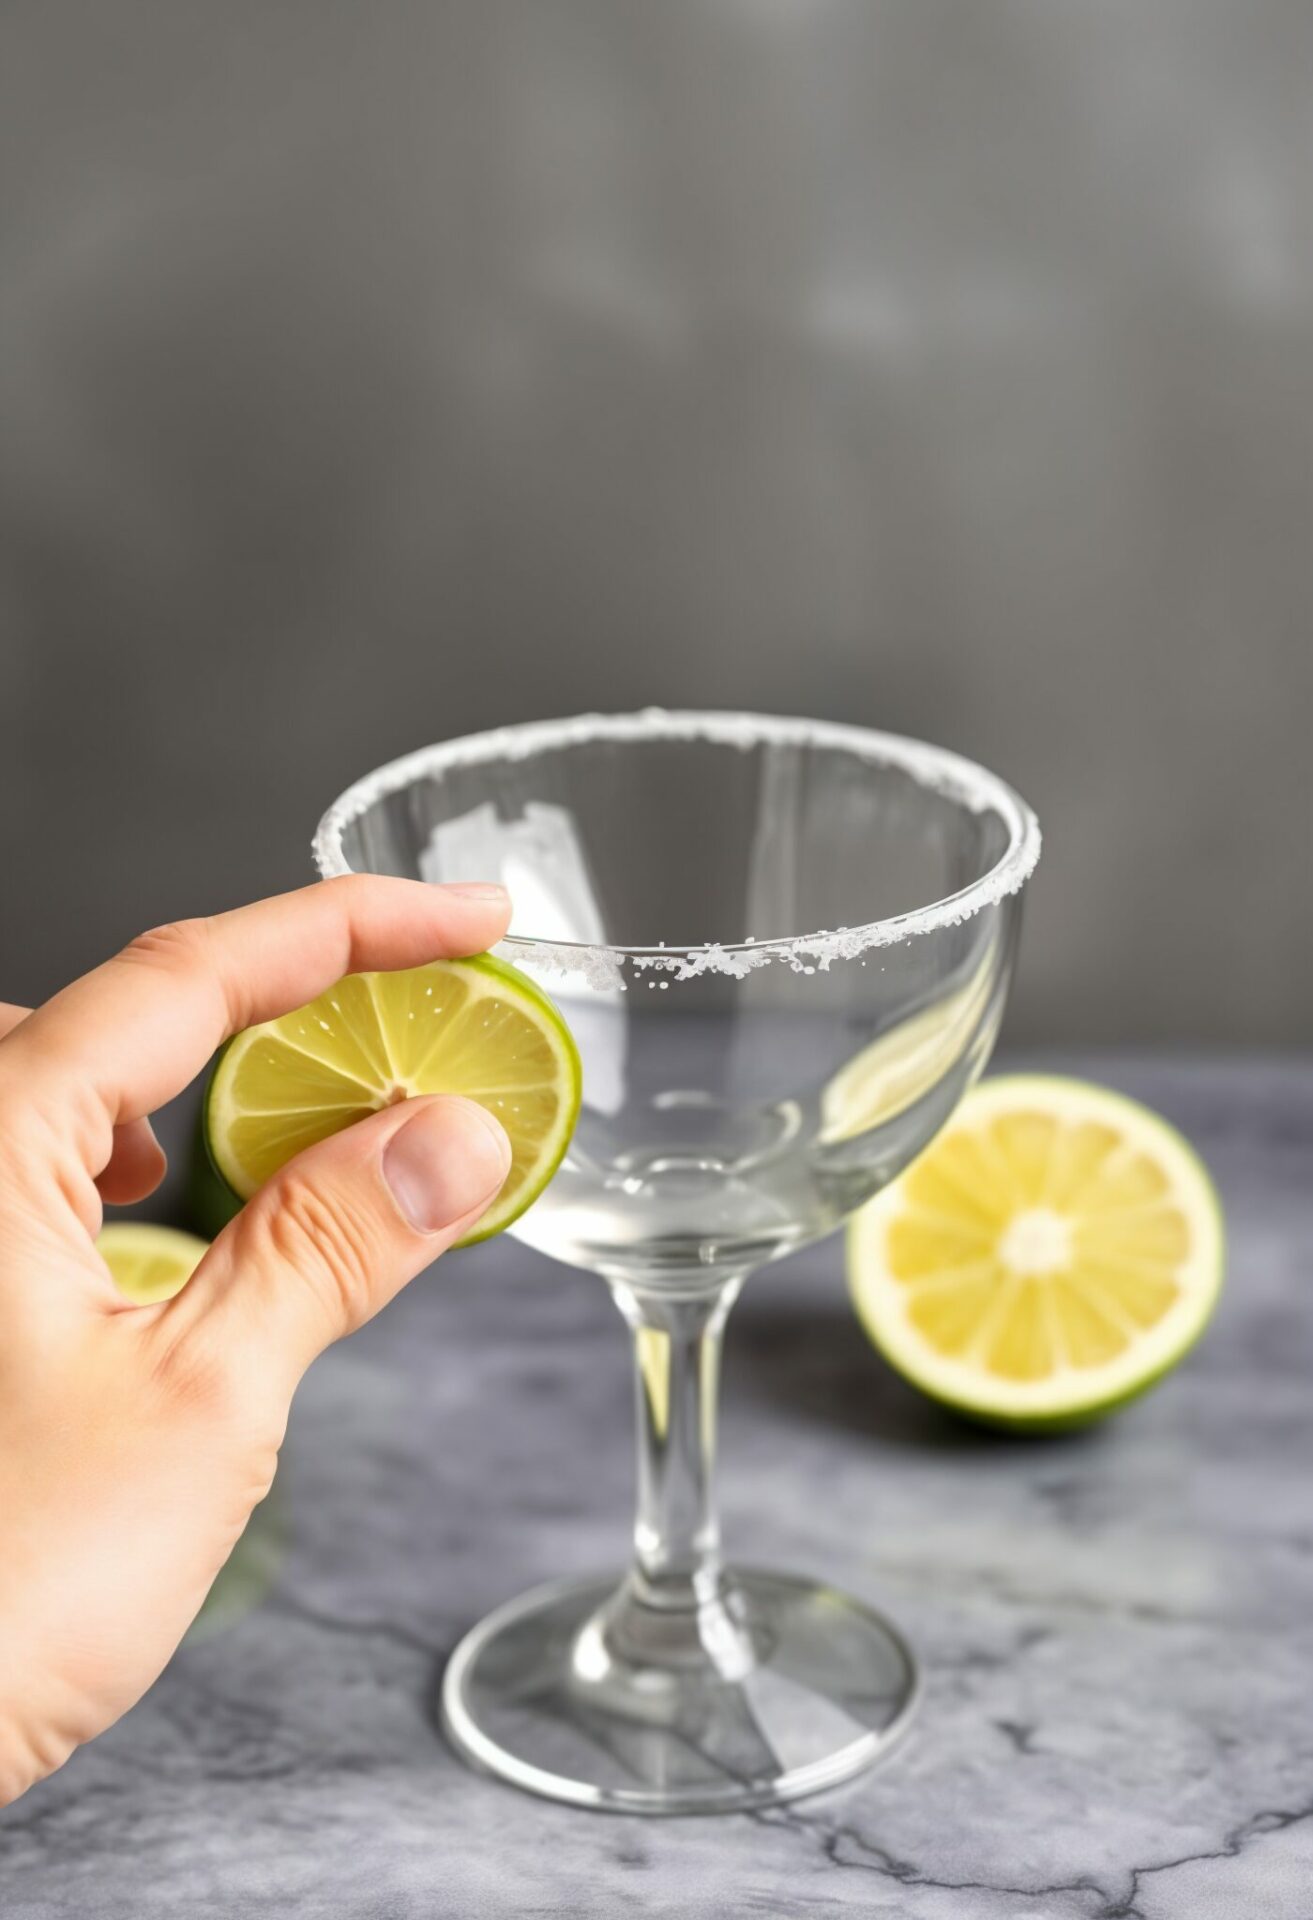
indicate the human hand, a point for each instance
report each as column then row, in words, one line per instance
column 135, row 1440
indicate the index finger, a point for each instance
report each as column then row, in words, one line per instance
column 138, row 1028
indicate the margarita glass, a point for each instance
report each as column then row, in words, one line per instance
column 783, row 947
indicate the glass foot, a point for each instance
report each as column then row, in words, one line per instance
column 588, row 1693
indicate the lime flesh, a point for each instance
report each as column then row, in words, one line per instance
column 1055, row 1251
column 475, row 1027
column 147, row 1262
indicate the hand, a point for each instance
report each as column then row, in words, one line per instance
column 134, row 1441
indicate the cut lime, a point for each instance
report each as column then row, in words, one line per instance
column 1053, row 1252
column 147, row 1262
column 475, row 1027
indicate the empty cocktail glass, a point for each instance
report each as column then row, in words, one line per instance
column 783, row 947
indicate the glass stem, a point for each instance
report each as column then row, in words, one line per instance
column 676, row 1379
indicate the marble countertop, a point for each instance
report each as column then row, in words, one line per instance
column 1116, row 1628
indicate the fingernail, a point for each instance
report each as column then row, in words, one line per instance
column 447, row 1160
column 476, row 889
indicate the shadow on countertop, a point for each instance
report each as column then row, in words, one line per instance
column 812, row 1359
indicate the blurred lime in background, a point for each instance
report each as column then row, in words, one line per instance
column 1053, row 1252
column 150, row 1263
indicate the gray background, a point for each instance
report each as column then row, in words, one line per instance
column 373, row 373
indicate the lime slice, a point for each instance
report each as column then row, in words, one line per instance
column 1052, row 1253
column 475, row 1027
column 149, row 1263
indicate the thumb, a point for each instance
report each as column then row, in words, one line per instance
column 341, row 1229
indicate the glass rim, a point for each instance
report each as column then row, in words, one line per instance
column 939, row 769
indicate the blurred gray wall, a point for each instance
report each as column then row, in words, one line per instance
column 370, row 373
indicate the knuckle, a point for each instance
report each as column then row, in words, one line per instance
column 177, row 943
column 188, row 950
column 331, row 1243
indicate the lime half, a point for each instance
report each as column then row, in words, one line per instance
column 475, row 1027
column 147, row 1262
column 1053, row 1252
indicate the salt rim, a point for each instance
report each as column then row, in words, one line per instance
column 603, row 967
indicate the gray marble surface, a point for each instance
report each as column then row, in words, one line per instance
column 1116, row 1628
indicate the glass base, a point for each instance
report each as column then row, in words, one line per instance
column 605, row 1696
